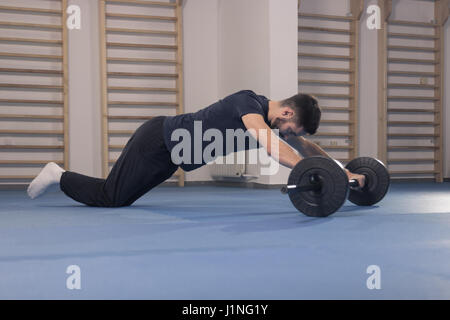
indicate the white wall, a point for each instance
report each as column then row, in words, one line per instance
column 283, row 48
column 201, row 61
column 244, row 52
column 368, row 94
column 84, row 92
column 244, row 46
column 257, row 50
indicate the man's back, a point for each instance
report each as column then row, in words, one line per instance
column 222, row 115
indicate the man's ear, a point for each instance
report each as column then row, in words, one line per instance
column 287, row 113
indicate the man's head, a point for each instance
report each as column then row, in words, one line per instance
column 296, row 116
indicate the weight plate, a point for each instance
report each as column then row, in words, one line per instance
column 377, row 181
column 330, row 197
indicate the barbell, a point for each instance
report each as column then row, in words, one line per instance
column 318, row 186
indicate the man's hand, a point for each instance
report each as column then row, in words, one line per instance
column 281, row 151
column 361, row 179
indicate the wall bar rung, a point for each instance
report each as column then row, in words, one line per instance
column 411, row 61
column 412, row 23
column 144, row 3
column 324, row 69
column 142, row 75
column 30, row 10
column 412, row 135
column 324, row 56
column 325, row 43
column 140, row 60
column 410, row 110
column 323, row 82
column 120, row 132
column 129, row 118
column 412, row 123
column 332, row 95
column 40, row 162
column 30, row 86
column 325, row 17
column 29, row 146
column 336, row 147
column 145, row 89
column 144, row 103
column 30, row 25
column 37, row 71
column 17, row 177
column 30, row 116
column 321, row 29
column 411, row 148
column 336, row 121
column 30, row 56
column 26, row 40
column 139, row 46
column 141, row 31
column 33, row 132
column 418, row 160
column 411, row 35
column 139, row 16
column 332, row 134
column 412, row 73
column 336, row 109
column 26, row 101
column 413, row 172
column 421, row 98
column 411, row 48
column 412, row 85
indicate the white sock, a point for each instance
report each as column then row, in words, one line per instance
column 49, row 175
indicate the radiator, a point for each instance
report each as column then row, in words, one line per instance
column 233, row 166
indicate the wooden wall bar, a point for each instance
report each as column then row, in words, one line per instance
column 33, row 88
column 411, row 93
column 328, row 69
column 141, row 69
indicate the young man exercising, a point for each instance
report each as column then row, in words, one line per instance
column 146, row 161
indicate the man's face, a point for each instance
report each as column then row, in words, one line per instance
column 287, row 128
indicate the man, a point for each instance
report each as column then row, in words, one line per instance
column 147, row 159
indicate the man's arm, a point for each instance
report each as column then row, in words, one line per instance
column 264, row 135
column 285, row 155
column 308, row 149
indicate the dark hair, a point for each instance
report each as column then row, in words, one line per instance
column 307, row 111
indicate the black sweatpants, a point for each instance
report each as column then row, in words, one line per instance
column 144, row 163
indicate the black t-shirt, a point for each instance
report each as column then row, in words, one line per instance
column 224, row 114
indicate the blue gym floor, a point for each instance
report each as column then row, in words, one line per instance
column 209, row 242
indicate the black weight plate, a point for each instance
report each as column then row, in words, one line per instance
column 330, row 197
column 377, row 181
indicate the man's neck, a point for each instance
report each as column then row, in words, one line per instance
column 273, row 108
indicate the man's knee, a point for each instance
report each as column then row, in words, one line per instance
column 117, row 203
column 108, row 204
column 112, row 201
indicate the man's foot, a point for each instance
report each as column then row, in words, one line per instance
column 49, row 175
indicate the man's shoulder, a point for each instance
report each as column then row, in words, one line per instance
column 242, row 93
column 246, row 92
column 246, row 96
